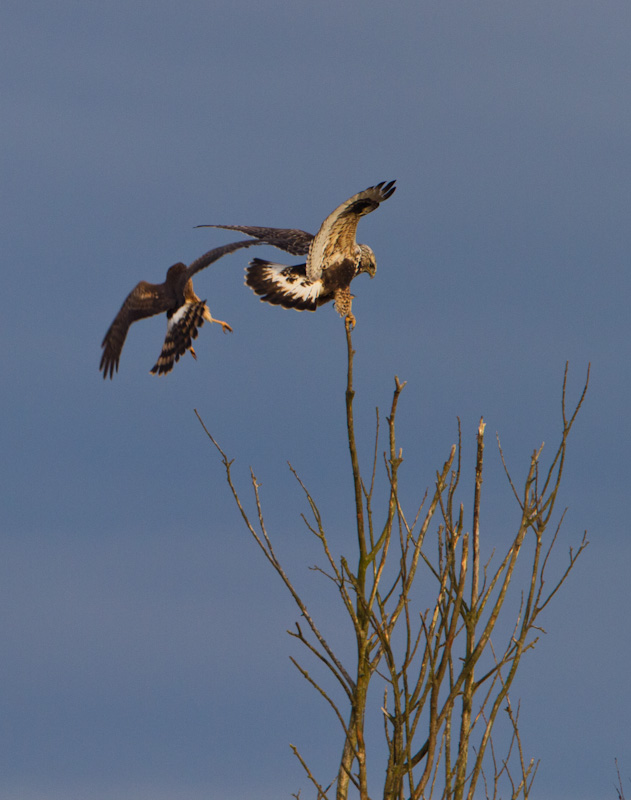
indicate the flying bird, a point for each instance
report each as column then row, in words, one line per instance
column 333, row 257
column 185, row 312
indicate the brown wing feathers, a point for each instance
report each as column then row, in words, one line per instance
column 145, row 300
column 291, row 240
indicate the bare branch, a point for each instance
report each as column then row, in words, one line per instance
column 322, row 793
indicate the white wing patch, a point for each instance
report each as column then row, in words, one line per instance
column 282, row 285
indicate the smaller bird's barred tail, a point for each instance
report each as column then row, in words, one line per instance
column 182, row 328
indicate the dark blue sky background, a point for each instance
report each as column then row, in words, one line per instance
column 143, row 636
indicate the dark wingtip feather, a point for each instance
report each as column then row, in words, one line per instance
column 386, row 189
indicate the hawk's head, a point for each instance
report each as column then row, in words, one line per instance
column 367, row 261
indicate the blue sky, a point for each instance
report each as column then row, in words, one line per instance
column 144, row 645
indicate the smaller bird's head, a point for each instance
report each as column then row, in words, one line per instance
column 174, row 272
column 367, row 261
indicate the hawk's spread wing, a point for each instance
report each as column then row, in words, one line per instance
column 182, row 328
column 145, row 300
column 284, row 286
column 335, row 241
column 292, row 240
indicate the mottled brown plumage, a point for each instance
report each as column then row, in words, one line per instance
column 176, row 296
column 333, row 257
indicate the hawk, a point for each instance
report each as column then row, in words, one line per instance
column 185, row 312
column 333, row 257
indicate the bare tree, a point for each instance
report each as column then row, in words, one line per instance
column 444, row 678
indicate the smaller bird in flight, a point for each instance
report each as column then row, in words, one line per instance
column 333, row 257
column 185, row 312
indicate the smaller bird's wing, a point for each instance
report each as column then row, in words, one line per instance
column 335, row 241
column 291, row 240
column 218, row 252
column 181, row 330
column 145, row 300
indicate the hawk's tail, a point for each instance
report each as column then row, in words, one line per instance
column 284, row 286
